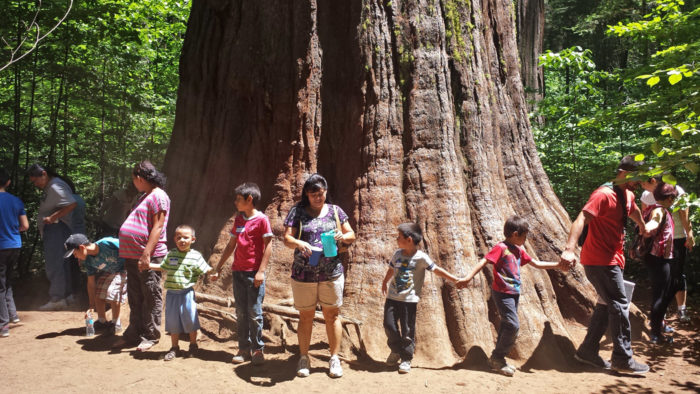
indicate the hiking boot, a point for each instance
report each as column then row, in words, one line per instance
column 172, row 354
column 405, row 366
column 241, row 357
column 54, row 305
column 593, row 361
column 632, row 367
column 303, row 366
column 334, row 367
column 501, row 367
column 393, row 359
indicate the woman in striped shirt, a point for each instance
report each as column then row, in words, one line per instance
column 142, row 239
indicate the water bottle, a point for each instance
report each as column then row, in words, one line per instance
column 89, row 325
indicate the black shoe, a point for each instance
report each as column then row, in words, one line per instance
column 632, row 367
column 101, row 326
column 192, row 351
column 593, row 361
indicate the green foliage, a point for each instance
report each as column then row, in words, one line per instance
column 96, row 96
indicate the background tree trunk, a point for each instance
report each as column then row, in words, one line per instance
column 413, row 110
column 530, row 33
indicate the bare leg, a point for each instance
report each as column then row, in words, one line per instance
column 100, row 308
column 680, row 298
column 334, row 329
column 193, row 337
column 306, row 324
column 175, row 339
column 116, row 308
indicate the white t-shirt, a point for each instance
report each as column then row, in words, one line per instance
column 679, row 232
column 409, row 273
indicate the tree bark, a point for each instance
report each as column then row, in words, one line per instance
column 530, row 33
column 413, row 110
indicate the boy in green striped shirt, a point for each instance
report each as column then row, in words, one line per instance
column 183, row 267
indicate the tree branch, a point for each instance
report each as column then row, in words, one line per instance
column 13, row 54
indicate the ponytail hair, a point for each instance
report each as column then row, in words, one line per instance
column 148, row 171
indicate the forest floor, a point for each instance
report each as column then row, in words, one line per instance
column 48, row 352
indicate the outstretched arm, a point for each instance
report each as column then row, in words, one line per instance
column 464, row 281
column 546, row 265
column 445, row 275
column 568, row 256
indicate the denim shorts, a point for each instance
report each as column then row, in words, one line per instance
column 181, row 312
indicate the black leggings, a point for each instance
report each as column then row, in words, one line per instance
column 662, row 290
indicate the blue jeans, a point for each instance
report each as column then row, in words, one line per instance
column 58, row 269
column 249, row 301
column 613, row 315
column 8, row 257
column 507, row 305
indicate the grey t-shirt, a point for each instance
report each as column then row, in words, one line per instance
column 409, row 273
column 56, row 195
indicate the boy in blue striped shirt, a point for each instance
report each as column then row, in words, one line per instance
column 183, row 267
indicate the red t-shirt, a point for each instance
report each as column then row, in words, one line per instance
column 606, row 236
column 250, row 245
column 507, row 260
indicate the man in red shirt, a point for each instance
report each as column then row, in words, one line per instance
column 602, row 257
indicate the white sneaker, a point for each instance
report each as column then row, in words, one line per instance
column 334, row 368
column 393, row 359
column 303, row 366
column 54, row 306
column 405, row 366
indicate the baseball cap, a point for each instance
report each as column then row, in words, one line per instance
column 73, row 242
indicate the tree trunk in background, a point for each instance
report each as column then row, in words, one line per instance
column 530, row 30
column 413, row 110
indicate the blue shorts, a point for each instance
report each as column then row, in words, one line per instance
column 181, row 312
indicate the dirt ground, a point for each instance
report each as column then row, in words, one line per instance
column 48, row 352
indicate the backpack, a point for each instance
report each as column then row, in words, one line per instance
column 641, row 246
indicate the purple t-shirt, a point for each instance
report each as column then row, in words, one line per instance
column 134, row 233
column 328, row 268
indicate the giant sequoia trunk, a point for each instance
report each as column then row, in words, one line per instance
column 413, row 110
column 530, row 30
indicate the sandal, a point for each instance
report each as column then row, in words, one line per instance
column 172, row 353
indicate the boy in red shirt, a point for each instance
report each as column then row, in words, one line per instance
column 507, row 257
column 250, row 239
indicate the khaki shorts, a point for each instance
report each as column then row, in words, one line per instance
column 308, row 294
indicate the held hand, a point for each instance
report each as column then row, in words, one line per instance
column 214, row 276
column 462, row 283
column 304, row 248
column 143, row 262
column 568, row 257
column 564, row 266
column 259, row 278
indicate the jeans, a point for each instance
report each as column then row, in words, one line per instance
column 662, row 290
column 145, row 297
column 8, row 257
column 612, row 316
column 249, row 301
column 58, row 269
column 507, row 305
column 400, row 327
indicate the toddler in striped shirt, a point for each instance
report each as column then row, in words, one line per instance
column 183, row 267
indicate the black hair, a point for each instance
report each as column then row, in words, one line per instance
column 515, row 224
column 36, row 170
column 411, row 230
column 248, row 189
column 149, row 173
column 185, row 227
column 314, row 183
column 4, row 177
column 628, row 163
column 664, row 191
